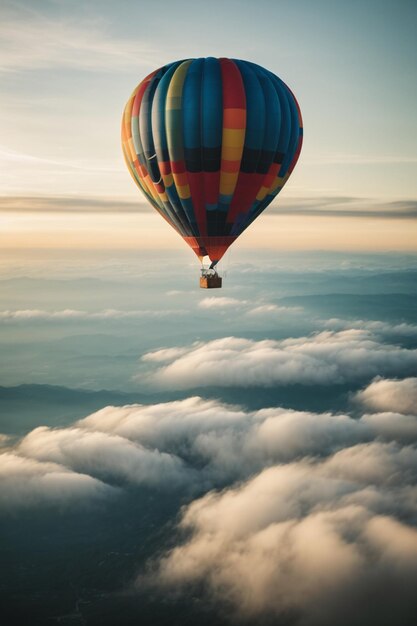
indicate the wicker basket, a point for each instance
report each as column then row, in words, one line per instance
column 210, row 282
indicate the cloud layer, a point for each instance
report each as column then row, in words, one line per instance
column 323, row 358
column 198, row 443
column 292, row 515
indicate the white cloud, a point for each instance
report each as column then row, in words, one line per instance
column 261, row 310
column 312, row 539
column 374, row 326
column 227, row 442
column 108, row 456
column 219, row 302
column 164, row 354
column 197, row 443
column 162, row 444
column 390, row 395
column 4, row 440
column 26, row 482
column 393, row 426
column 268, row 309
column 26, row 315
column 323, row 358
column 315, row 512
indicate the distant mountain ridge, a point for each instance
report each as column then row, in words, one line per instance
column 23, row 407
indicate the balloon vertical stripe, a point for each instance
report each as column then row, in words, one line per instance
column 233, row 134
column 249, row 179
column 212, row 129
column 175, row 141
column 192, row 120
column 161, row 147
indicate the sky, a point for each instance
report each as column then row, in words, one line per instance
column 171, row 455
column 68, row 68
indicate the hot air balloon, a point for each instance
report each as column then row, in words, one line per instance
column 210, row 143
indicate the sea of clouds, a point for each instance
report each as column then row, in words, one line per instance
column 291, row 515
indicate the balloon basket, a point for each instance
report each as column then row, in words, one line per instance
column 210, row 281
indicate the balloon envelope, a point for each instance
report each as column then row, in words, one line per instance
column 210, row 142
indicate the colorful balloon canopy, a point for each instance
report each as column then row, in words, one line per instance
column 211, row 142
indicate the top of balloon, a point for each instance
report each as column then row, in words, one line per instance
column 211, row 142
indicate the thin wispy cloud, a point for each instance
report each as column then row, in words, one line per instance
column 34, row 41
column 71, row 204
column 358, row 159
column 220, row 302
column 318, row 206
column 328, row 206
column 26, row 160
column 377, row 327
column 68, row 315
column 263, row 310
